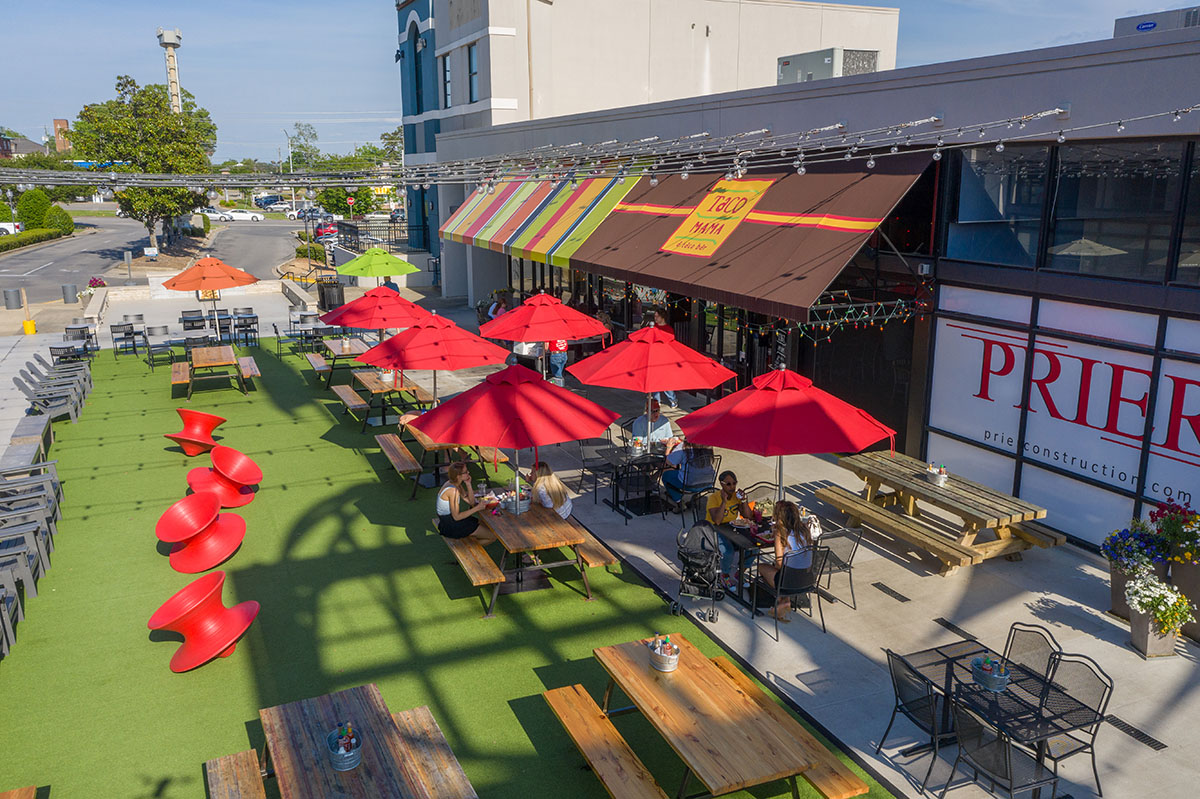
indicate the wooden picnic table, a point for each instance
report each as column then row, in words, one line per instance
column 353, row 348
column 528, row 533
column 371, row 381
column 979, row 507
column 210, row 358
column 296, row 732
column 723, row 733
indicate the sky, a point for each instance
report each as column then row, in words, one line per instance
column 259, row 66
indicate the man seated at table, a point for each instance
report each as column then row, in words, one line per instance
column 656, row 428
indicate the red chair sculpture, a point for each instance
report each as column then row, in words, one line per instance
column 231, row 477
column 209, row 629
column 196, row 436
column 202, row 536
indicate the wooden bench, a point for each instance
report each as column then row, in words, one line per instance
column 623, row 775
column 949, row 552
column 832, row 778
column 591, row 550
column 490, row 455
column 235, row 777
column 437, row 766
column 248, row 367
column 318, row 363
column 420, row 395
column 350, row 398
column 478, row 565
column 181, row 374
column 1038, row 534
column 20, row 793
column 397, row 453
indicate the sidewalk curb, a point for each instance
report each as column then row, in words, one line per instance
column 40, row 244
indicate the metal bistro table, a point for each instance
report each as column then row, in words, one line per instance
column 622, row 458
column 1031, row 710
column 210, row 358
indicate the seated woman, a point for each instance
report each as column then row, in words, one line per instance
column 689, row 468
column 723, row 507
column 792, row 546
column 453, row 520
column 549, row 490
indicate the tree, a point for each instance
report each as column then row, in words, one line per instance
column 58, row 219
column 303, row 142
column 333, row 200
column 32, row 208
column 139, row 132
column 58, row 162
column 393, row 145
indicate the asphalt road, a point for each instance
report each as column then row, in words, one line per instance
column 256, row 247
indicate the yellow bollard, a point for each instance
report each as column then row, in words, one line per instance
column 30, row 326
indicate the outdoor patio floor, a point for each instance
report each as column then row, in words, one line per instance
column 354, row 586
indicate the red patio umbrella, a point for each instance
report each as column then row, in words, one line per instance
column 434, row 342
column 515, row 408
column 543, row 318
column 377, row 309
column 783, row 413
column 650, row 360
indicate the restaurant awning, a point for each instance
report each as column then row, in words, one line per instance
column 769, row 243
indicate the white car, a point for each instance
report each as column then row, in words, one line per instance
column 216, row 216
column 281, row 208
column 244, row 215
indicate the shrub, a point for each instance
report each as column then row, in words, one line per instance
column 206, row 222
column 27, row 237
column 59, row 219
column 5, row 213
column 300, row 234
column 32, row 208
column 194, row 232
column 314, row 251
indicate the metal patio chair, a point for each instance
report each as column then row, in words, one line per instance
column 919, row 702
column 1082, row 679
column 993, row 755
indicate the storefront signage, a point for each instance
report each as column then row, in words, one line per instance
column 1147, row 26
column 1087, row 406
column 716, row 217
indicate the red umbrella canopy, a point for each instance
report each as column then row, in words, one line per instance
column 783, row 413
column 377, row 309
column 543, row 318
column 434, row 342
column 515, row 408
column 651, row 359
column 209, row 274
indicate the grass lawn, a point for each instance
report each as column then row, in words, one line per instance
column 355, row 588
column 88, row 213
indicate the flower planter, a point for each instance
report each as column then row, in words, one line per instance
column 1144, row 636
column 1118, row 580
column 1186, row 578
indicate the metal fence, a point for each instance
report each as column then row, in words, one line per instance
column 391, row 236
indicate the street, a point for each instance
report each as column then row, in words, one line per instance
column 256, row 247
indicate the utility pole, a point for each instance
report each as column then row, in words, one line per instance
column 291, row 166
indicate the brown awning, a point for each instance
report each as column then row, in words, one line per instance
column 769, row 242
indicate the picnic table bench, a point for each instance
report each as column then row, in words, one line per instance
column 318, row 364
column 351, row 400
column 20, row 793
column 235, row 777
column 397, row 454
column 181, row 374
column 591, row 550
column 436, row 766
column 248, row 367
column 476, row 563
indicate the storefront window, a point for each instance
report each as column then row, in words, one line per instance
column 1114, row 207
column 997, row 218
column 1188, row 270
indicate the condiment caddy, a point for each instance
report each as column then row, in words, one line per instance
column 345, row 747
column 936, row 474
column 664, row 655
column 990, row 673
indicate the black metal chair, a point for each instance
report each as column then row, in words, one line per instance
column 638, row 479
column 221, row 323
column 194, row 313
column 67, row 353
column 1084, row 681
column 137, row 320
column 245, row 328
column 192, row 341
column 157, row 342
column 993, row 755
column 592, row 462
column 123, row 338
column 1031, row 646
column 193, row 323
column 792, row 582
column 693, row 488
column 843, row 545
column 919, row 702
column 283, row 338
column 247, row 311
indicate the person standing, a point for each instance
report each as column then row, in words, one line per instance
column 558, row 359
column 662, row 323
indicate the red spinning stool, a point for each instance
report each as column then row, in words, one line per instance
column 209, row 629
column 196, row 436
column 202, row 537
column 231, row 477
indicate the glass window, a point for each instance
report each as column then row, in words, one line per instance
column 1188, row 270
column 472, row 73
column 1114, row 207
column 446, row 81
column 414, row 35
column 997, row 218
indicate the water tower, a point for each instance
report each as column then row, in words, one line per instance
column 170, row 41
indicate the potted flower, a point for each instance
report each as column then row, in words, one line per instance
column 1129, row 550
column 1158, row 613
column 1181, row 527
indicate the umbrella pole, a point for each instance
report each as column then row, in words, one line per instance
column 517, row 481
column 778, row 478
column 435, row 387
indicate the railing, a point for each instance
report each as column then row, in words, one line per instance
column 391, row 236
column 315, row 273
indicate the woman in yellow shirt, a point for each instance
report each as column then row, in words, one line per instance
column 723, row 507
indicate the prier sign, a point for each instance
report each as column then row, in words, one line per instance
column 1087, row 406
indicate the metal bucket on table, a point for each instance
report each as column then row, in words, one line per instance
column 344, row 761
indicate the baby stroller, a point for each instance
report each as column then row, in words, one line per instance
column 700, row 559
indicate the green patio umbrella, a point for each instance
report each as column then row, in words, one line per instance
column 377, row 262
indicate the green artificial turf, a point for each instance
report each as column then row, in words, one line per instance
column 354, row 586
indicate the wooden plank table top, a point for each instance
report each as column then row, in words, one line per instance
column 427, row 443
column 537, row 528
column 296, row 732
column 210, row 357
column 370, row 380
column 724, row 736
column 334, row 346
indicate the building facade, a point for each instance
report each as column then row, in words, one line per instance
column 473, row 64
column 1052, row 341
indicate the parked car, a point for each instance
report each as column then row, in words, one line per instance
column 216, row 215
column 311, row 213
column 244, row 215
column 279, row 207
column 121, row 213
column 269, row 199
column 11, row 227
column 396, row 216
column 324, row 229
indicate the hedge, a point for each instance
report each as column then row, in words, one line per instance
column 5, row 213
column 32, row 208
column 12, row 242
column 59, row 219
column 314, row 251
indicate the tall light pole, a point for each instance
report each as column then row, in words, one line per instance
column 291, row 166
